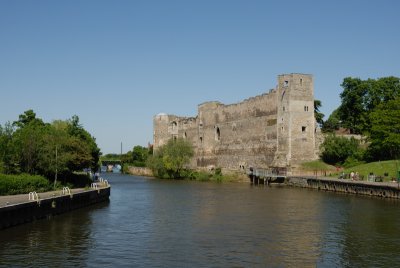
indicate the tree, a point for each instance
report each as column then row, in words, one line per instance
column 319, row 117
column 335, row 150
column 76, row 130
column 171, row 158
column 352, row 112
column 28, row 117
column 27, row 142
column 332, row 123
column 361, row 97
column 385, row 131
column 7, row 156
column 177, row 154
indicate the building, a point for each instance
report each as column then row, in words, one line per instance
column 275, row 129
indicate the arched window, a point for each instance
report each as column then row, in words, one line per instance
column 174, row 125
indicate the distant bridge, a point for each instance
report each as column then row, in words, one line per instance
column 113, row 162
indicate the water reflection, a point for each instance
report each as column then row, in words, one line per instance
column 153, row 223
column 63, row 240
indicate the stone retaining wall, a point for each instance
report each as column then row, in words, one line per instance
column 26, row 212
column 378, row 189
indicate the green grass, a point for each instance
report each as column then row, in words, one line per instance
column 378, row 168
column 23, row 184
column 317, row 165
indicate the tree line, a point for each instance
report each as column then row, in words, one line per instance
column 29, row 145
column 370, row 108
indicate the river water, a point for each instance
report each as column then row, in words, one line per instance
column 158, row 223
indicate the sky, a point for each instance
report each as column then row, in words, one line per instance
column 116, row 64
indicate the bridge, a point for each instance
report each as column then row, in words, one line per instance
column 109, row 164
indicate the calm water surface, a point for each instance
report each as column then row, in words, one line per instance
column 153, row 223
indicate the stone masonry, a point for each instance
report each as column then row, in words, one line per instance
column 275, row 129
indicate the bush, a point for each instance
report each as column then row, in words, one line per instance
column 335, row 150
column 22, row 184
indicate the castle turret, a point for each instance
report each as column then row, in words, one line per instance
column 295, row 119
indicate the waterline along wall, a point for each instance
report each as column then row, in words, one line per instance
column 377, row 189
column 44, row 208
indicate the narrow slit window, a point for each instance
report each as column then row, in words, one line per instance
column 303, row 129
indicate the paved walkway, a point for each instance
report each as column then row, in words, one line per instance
column 7, row 200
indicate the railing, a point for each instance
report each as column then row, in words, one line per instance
column 33, row 196
column 66, row 190
column 272, row 172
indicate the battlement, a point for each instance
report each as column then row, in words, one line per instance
column 275, row 128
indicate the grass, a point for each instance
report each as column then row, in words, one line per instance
column 377, row 168
column 317, row 165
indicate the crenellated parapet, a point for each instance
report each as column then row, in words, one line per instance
column 275, row 129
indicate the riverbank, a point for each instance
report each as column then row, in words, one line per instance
column 377, row 189
column 19, row 209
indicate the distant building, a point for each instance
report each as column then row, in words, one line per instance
column 275, row 129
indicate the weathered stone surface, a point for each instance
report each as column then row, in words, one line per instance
column 275, row 129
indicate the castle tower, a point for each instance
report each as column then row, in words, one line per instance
column 295, row 120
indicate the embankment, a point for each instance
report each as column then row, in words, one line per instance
column 22, row 212
column 377, row 189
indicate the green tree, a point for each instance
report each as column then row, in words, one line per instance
column 156, row 164
column 385, row 131
column 76, row 130
column 171, row 159
column 335, row 150
column 27, row 118
column 177, row 154
column 27, row 141
column 8, row 164
column 361, row 97
column 319, row 117
column 352, row 110
column 332, row 123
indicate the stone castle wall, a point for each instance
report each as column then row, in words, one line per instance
column 275, row 129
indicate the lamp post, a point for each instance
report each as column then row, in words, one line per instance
column 55, row 179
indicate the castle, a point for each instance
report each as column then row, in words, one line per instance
column 275, row 129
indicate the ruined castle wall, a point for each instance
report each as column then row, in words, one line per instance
column 274, row 129
column 242, row 134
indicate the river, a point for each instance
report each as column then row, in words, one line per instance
column 159, row 223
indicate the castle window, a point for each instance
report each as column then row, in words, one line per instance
column 305, row 108
column 217, row 134
column 301, row 81
column 283, row 108
column 174, row 125
column 201, row 140
column 286, row 83
column 303, row 129
column 184, row 135
column 174, row 137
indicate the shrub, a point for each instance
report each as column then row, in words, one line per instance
column 22, row 184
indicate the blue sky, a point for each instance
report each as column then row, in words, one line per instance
column 115, row 64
